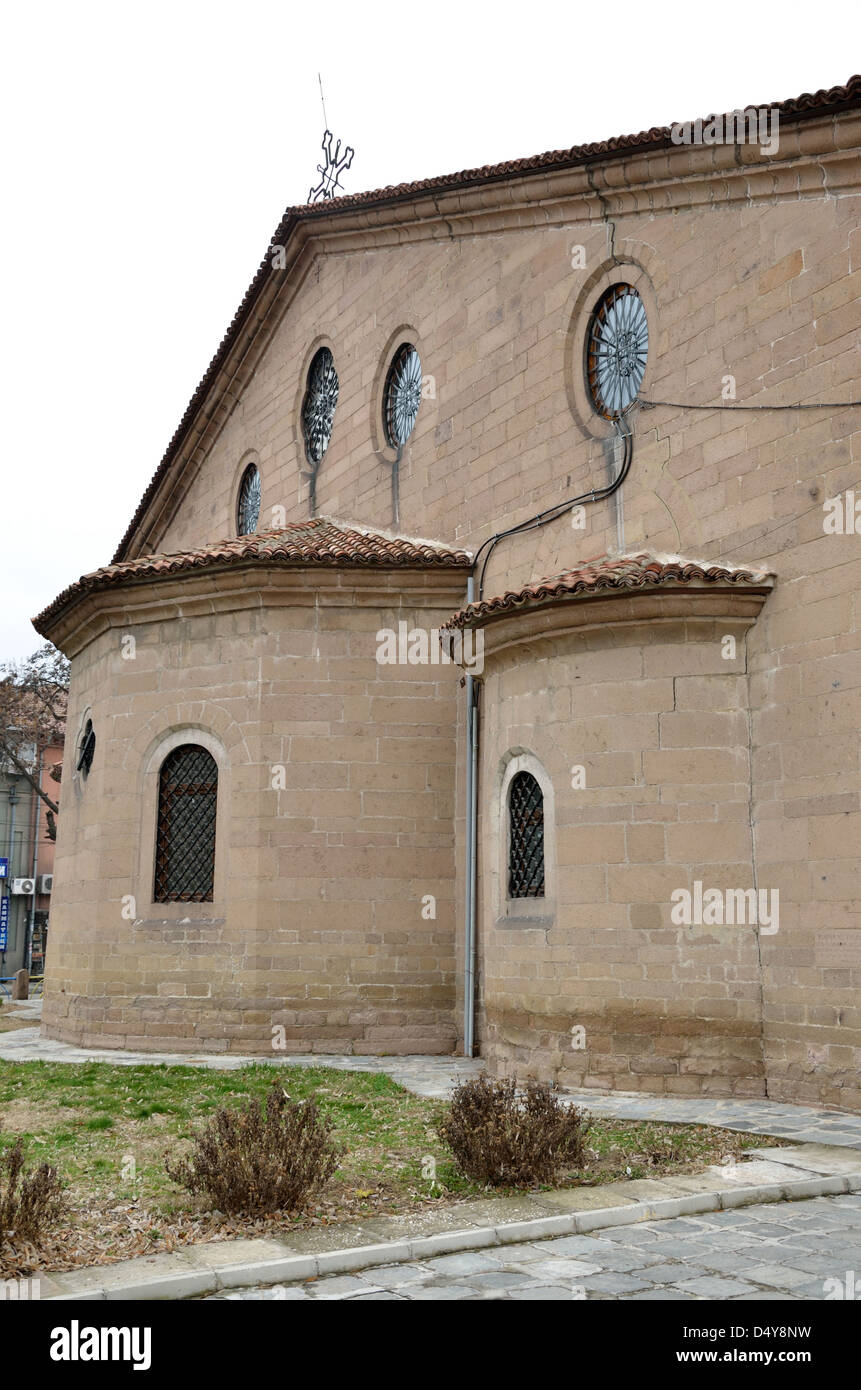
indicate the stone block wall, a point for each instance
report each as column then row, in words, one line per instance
column 336, row 780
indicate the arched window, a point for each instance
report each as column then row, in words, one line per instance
column 525, row 837
column 86, row 749
column 248, row 501
column 185, row 839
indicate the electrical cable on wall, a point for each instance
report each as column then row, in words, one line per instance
column 560, row 508
column 812, row 405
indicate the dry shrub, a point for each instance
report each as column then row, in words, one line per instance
column 502, row 1139
column 30, row 1202
column 260, row 1158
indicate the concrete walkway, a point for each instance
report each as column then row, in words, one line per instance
column 434, row 1077
column 799, row 1250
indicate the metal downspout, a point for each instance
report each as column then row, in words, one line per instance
column 28, row 954
column 13, row 802
column 471, row 829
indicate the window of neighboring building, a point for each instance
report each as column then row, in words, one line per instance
column 402, row 396
column 86, row 749
column 318, row 407
column 617, row 345
column 525, row 837
column 185, row 839
column 248, row 502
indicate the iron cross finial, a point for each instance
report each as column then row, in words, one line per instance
column 331, row 170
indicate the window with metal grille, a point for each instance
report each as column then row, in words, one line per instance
column 248, row 502
column 403, row 395
column 617, row 346
column 525, row 837
column 318, row 407
column 86, row 749
column 185, row 840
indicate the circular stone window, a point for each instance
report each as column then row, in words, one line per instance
column 318, row 407
column 402, row 396
column 248, row 502
column 617, row 345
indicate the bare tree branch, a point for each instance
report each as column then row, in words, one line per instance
column 33, row 701
column 28, row 776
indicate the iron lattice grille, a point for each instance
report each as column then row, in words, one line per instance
column 617, row 348
column 318, row 408
column 87, row 749
column 526, row 838
column 185, row 841
column 248, row 511
column 403, row 395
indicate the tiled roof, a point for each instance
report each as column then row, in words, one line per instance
column 807, row 106
column 609, row 572
column 320, row 541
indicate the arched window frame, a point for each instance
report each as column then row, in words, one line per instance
column 524, row 912
column 206, row 787
column 251, row 469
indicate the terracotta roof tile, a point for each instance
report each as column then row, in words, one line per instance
column 609, row 572
column 321, row 541
column 807, row 106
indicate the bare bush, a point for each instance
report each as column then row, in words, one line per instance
column 30, row 1202
column 504, row 1139
column 260, row 1158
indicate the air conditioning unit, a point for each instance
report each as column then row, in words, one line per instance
column 25, row 886
column 26, row 754
column 46, row 883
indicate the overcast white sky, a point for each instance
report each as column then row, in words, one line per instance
column 149, row 152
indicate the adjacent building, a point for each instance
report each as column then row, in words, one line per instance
column 27, row 873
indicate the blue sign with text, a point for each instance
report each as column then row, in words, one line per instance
column 4, row 923
column 4, row 868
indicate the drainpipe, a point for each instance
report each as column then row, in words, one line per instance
column 28, row 956
column 471, row 828
column 396, row 488
column 13, row 802
column 623, row 429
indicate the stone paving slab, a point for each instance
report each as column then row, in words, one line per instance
column 687, row 1264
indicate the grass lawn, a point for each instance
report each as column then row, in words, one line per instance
column 107, row 1129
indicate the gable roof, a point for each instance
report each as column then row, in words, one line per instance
column 320, row 541
column 607, row 573
column 807, row 106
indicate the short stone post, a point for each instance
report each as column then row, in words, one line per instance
column 21, row 987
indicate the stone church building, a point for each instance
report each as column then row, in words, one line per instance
column 481, row 669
